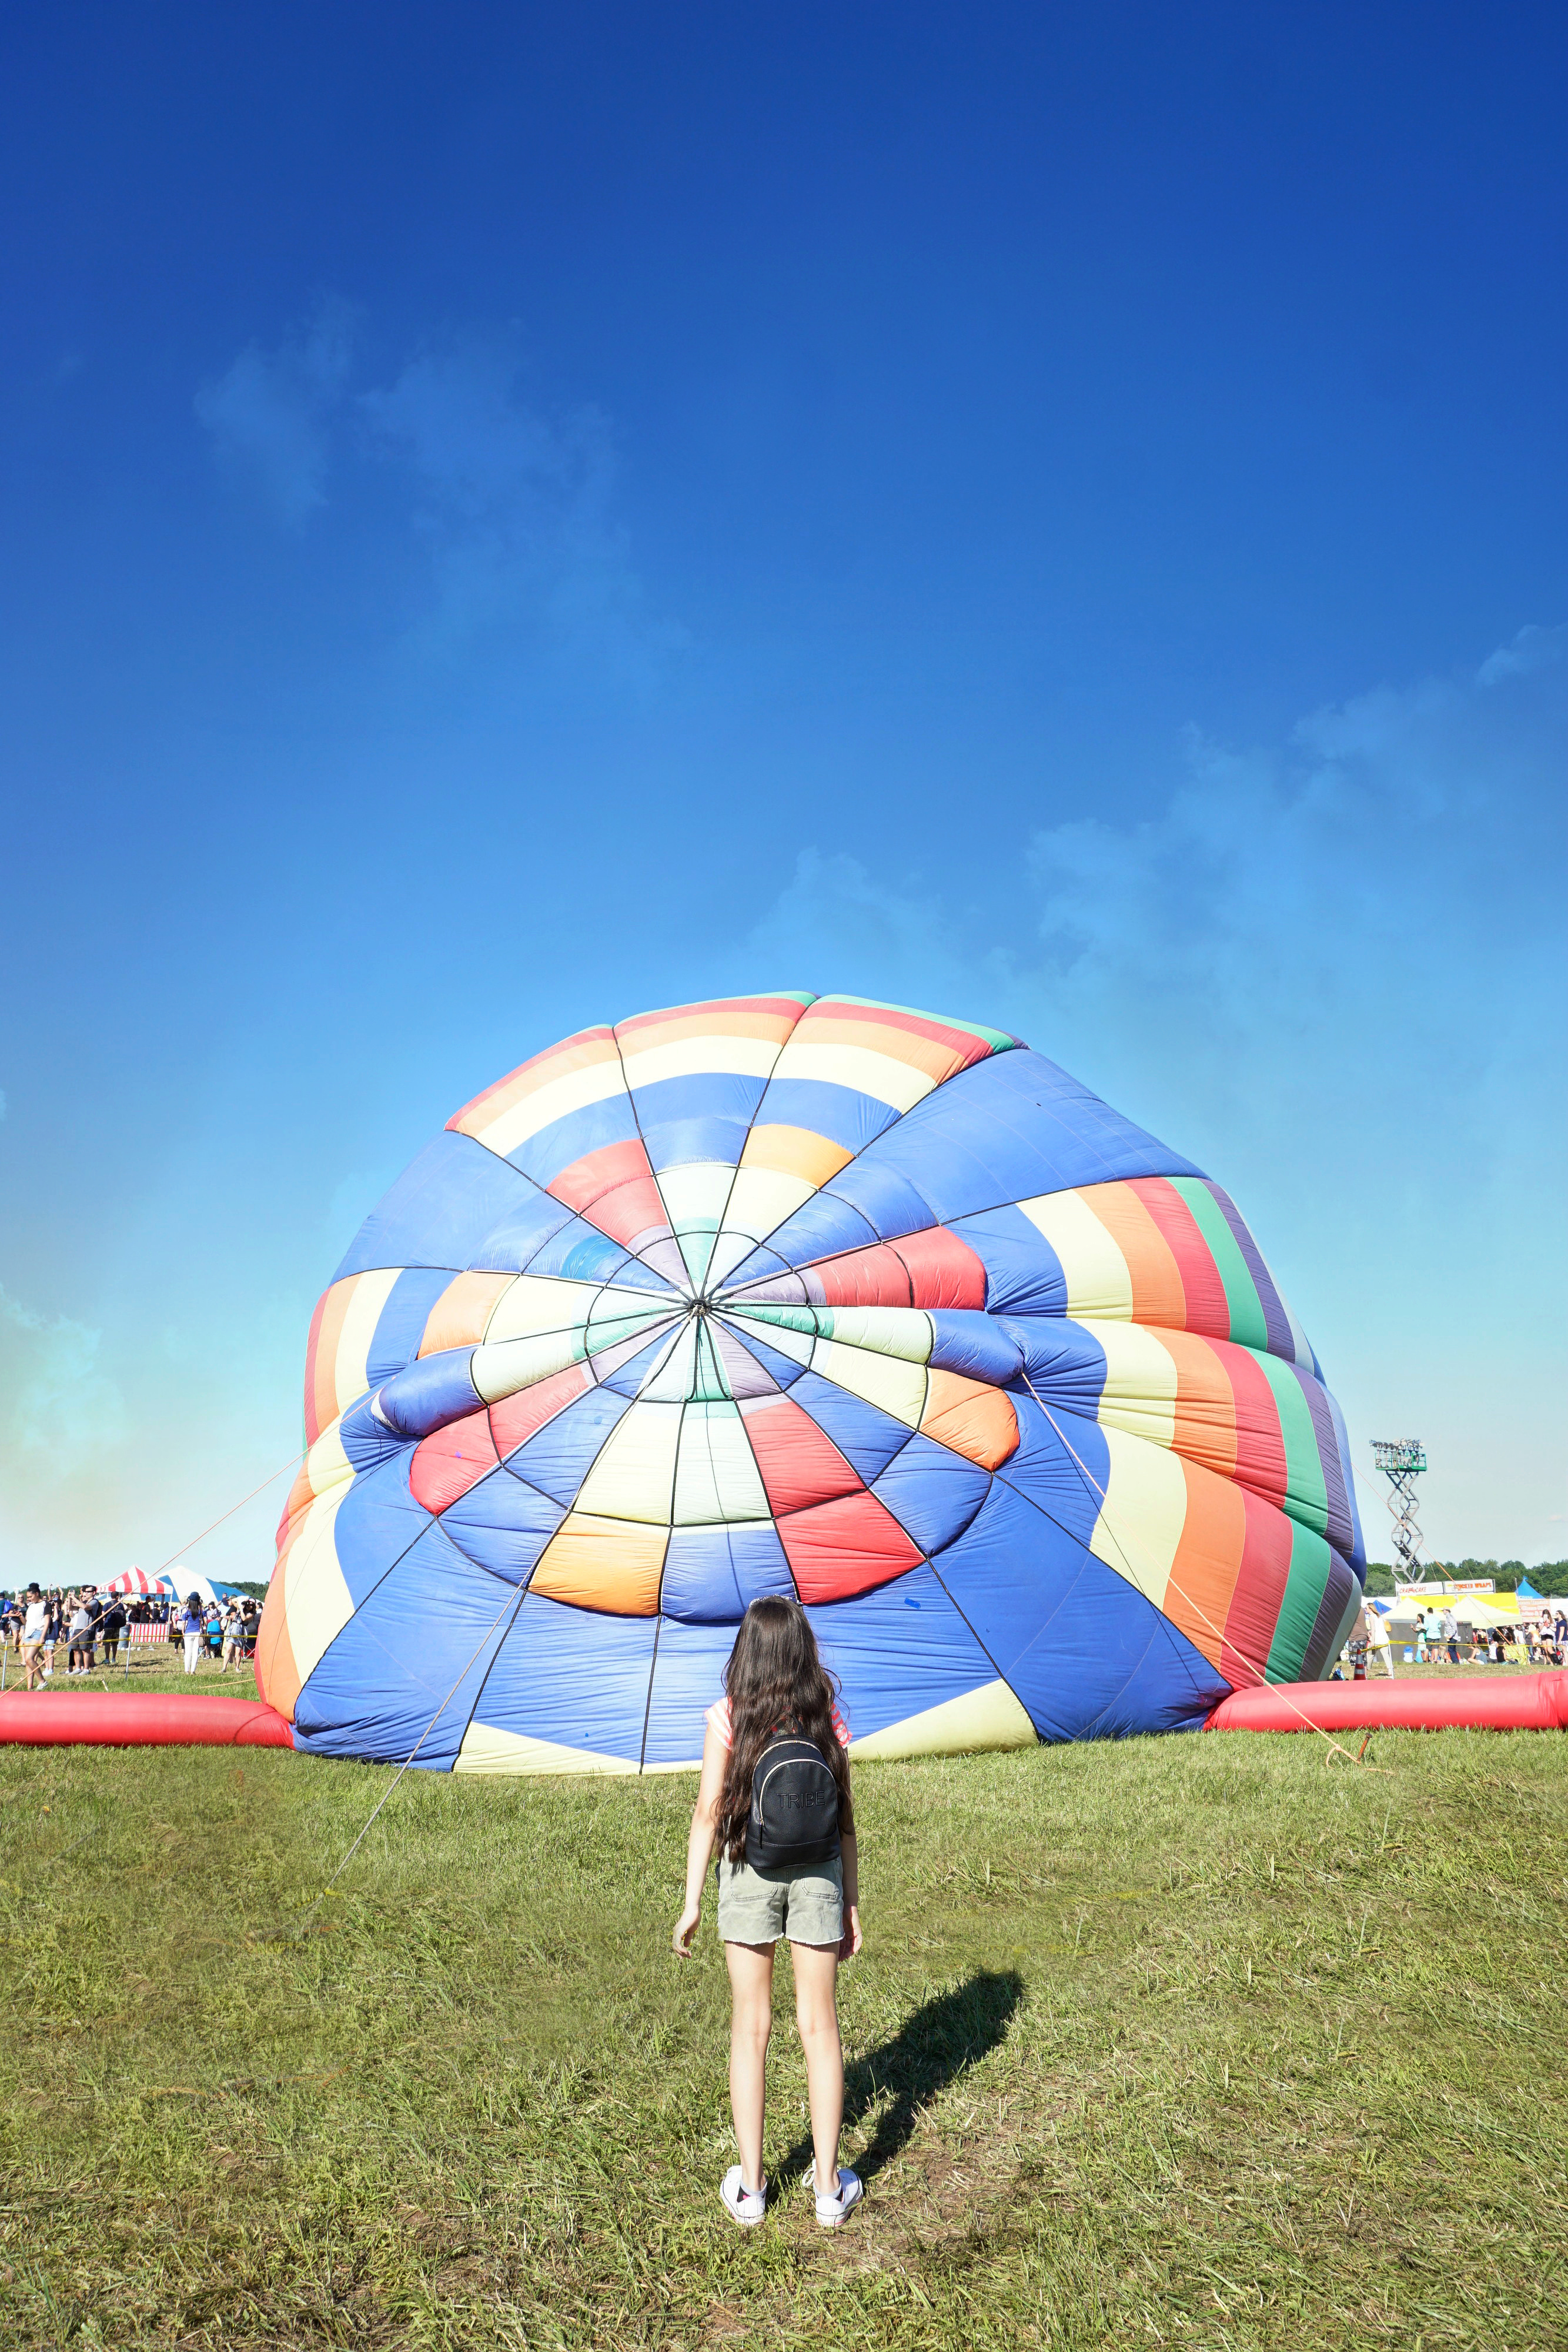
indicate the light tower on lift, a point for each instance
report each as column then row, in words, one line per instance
column 1402, row 1461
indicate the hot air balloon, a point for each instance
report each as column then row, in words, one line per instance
column 801, row 1295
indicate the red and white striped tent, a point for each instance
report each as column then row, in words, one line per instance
column 136, row 1580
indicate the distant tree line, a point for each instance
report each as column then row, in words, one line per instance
column 1549, row 1578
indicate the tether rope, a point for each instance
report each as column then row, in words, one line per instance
column 292, row 1464
column 511, row 1603
column 304, row 1918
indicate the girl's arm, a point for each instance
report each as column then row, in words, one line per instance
column 849, row 1943
column 699, row 1846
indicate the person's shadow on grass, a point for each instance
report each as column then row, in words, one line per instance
column 931, row 2049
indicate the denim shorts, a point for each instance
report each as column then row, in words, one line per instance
column 804, row 1902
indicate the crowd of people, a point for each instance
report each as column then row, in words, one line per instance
column 92, row 1627
column 1440, row 1635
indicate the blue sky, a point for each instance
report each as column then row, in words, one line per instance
column 518, row 516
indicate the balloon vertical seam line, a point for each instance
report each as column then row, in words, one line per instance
column 756, row 1116
column 433, row 1520
column 652, row 1670
column 1034, row 1503
column 370, row 1634
column 513, row 1603
column 637, row 1123
column 957, row 1604
column 1105, row 1512
column 766, row 1497
column 789, row 1565
column 1263, row 1682
column 669, row 1538
column 897, row 1120
column 598, row 1453
column 495, row 1658
column 544, row 1193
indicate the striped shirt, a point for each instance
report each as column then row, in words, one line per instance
column 718, row 1718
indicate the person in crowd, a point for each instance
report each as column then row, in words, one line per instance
column 111, row 1628
column 1382, row 1649
column 775, row 1797
column 192, row 1626
column 78, row 1636
column 245, row 1630
column 233, row 1636
column 53, row 1630
column 1448, row 1627
column 34, row 1618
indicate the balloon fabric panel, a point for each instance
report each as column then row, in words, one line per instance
column 813, row 1296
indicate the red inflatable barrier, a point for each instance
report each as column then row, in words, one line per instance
column 138, row 1719
column 1419, row 1703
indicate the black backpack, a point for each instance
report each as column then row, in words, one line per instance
column 794, row 1805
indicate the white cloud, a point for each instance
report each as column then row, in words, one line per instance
column 1366, row 916
column 58, row 1408
column 1532, row 648
column 516, row 510
column 1331, row 971
column 873, row 938
column 513, row 509
column 270, row 411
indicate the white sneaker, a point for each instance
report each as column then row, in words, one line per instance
column 744, row 2205
column 832, row 2211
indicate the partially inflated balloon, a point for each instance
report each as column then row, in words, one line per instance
column 799, row 1294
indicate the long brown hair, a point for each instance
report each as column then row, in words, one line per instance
column 776, row 1682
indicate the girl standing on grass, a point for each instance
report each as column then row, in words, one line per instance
column 774, row 1796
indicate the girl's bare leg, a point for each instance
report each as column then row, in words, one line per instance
column 816, row 2013
column 751, row 2022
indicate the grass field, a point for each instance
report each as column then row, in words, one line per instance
column 1206, row 2041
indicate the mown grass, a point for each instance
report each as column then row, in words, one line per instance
column 1204, row 2042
